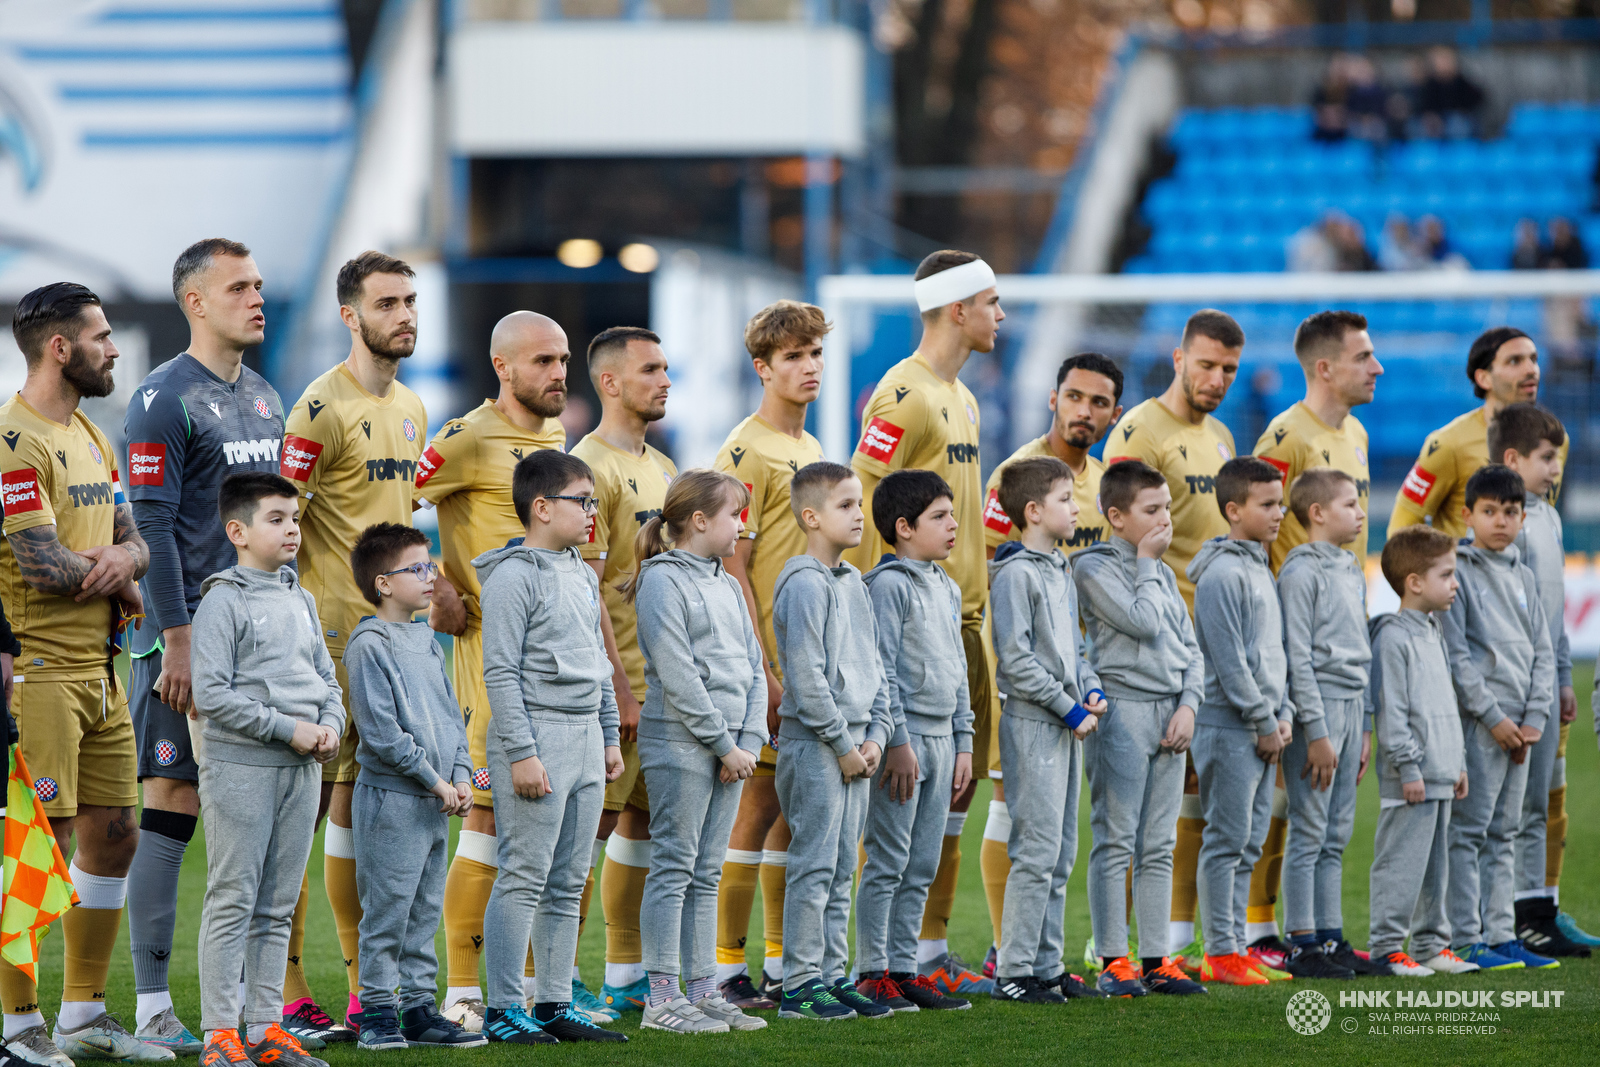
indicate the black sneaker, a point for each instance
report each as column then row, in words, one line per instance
column 572, row 1025
column 845, row 992
column 1309, row 961
column 813, row 1001
column 515, row 1026
column 1073, row 987
column 1342, row 954
column 771, row 988
column 423, row 1025
column 741, row 993
column 920, row 990
column 1537, row 929
column 380, row 1029
column 1271, row 950
column 879, row 988
column 1170, row 979
column 1025, row 989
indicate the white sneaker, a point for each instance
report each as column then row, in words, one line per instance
column 718, row 1008
column 1403, row 966
column 1447, row 962
column 33, row 1045
column 166, row 1030
column 104, row 1038
column 467, row 1014
column 680, row 1017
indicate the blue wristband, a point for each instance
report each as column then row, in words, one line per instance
column 1075, row 717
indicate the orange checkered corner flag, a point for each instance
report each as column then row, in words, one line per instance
column 37, row 887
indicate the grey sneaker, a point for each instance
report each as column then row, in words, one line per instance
column 34, row 1046
column 167, row 1031
column 680, row 1017
column 104, row 1038
column 718, row 1008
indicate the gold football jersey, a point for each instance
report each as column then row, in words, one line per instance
column 1296, row 440
column 1092, row 525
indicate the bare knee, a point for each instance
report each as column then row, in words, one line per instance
column 633, row 823
column 480, row 820
column 107, row 840
column 177, row 795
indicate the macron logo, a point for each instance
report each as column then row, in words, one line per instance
column 299, row 456
column 264, row 448
column 149, row 397
column 1418, row 484
column 880, row 440
column 146, row 461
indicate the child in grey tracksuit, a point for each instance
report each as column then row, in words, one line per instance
column 1239, row 627
column 261, row 669
column 835, row 698
column 1502, row 663
column 412, row 740
column 1144, row 651
column 918, row 611
column 1416, row 738
column 706, row 694
column 1043, row 672
column 1324, row 599
column 550, row 695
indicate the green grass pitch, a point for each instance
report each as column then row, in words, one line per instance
column 1234, row 1026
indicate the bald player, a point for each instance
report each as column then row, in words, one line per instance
column 465, row 474
column 1086, row 401
column 1177, row 435
column 1335, row 353
column 921, row 416
column 629, row 373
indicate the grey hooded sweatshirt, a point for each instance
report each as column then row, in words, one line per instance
column 405, row 709
column 702, row 663
column 1141, row 641
column 835, row 690
column 1417, row 733
column 1324, row 598
column 260, row 667
column 918, row 611
column 1501, row 659
column 543, row 653
column 1239, row 624
column 1543, row 549
column 1033, row 608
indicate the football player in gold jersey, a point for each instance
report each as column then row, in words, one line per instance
column 1177, row 435
column 629, row 372
column 351, row 446
column 1335, row 352
column 921, row 416
column 764, row 452
column 465, row 474
column 69, row 567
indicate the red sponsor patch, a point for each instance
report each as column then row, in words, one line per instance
column 299, row 456
column 744, row 516
column 1283, row 468
column 147, row 463
column 20, row 491
column 1418, row 484
column 428, row 465
column 1120, row 459
column 994, row 516
column 880, row 440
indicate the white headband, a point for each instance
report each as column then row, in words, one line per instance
column 957, row 283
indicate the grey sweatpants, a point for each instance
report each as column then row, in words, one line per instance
column 902, row 843
column 691, row 816
column 543, row 847
column 1320, row 822
column 1483, row 839
column 1531, row 835
column 1409, row 879
column 259, row 823
column 400, row 845
column 825, row 819
column 1043, row 768
column 1135, row 790
column 1236, row 799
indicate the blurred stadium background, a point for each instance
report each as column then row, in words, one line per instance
column 679, row 163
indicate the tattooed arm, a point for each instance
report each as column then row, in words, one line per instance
column 119, row 564
column 51, row 567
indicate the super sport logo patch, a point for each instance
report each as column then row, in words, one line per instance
column 880, row 440
column 299, row 456
column 1418, row 484
column 994, row 516
column 428, row 465
column 147, row 463
column 20, row 491
column 744, row 516
column 1283, row 468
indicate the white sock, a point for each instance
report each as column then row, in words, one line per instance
column 998, row 825
column 726, row 971
column 255, row 1033
column 527, row 987
column 954, row 823
column 15, row 1024
column 339, row 842
column 1255, row 931
column 1555, row 894
column 772, row 967
column 480, row 848
column 1179, row 934
column 623, row 974
column 576, row 977
column 461, row 992
column 241, row 982
column 76, row 1013
column 931, row 949
column 150, row 1005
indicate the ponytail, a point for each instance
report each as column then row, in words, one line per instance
column 650, row 541
column 694, row 490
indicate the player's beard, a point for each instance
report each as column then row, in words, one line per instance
column 1080, row 435
column 82, row 376
column 1198, row 401
column 387, row 347
column 547, row 402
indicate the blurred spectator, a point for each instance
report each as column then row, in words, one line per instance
column 1400, row 105
column 1311, row 250
column 1350, row 245
column 1448, row 100
column 1365, row 100
column 1526, row 251
column 1436, row 246
column 1565, row 251
column 1399, row 248
column 1330, row 103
